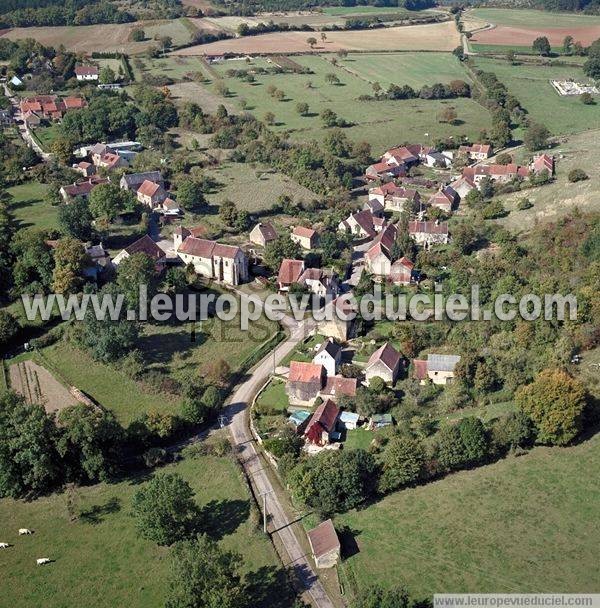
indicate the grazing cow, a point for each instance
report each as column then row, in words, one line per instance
column 23, row 531
column 40, row 561
column 4, row 545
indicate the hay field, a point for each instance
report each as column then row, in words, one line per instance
column 430, row 37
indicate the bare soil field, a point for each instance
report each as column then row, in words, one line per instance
column 193, row 91
column 38, row 385
column 523, row 36
column 430, row 37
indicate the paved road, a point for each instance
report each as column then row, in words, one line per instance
column 237, row 412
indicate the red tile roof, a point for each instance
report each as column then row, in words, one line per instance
column 86, row 70
column 203, row 248
column 430, row 227
column 290, row 271
column 148, row 246
column 305, row 372
column 323, row 419
column 420, row 369
column 303, row 232
column 148, row 188
column 543, row 162
column 338, row 385
column 323, row 539
column 387, row 354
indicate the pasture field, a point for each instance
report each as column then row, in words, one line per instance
column 254, row 189
column 30, row 209
column 381, row 123
column 177, row 68
column 429, row 37
column 414, row 69
column 100, row 558
column 561, row 197
column 531, row 86
column 532, row 18
column 46, row 135
column 169, row 347
column 503, row 528
column 177, row 29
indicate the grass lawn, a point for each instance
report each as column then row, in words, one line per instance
column 561, row 197
column 520, row 525
column 174, row 67
column 254, row 189
column 533, row 18
column 178, row 30
column 100, row 382
column 381, row 123
column 100, row 558
column 530, row 84
column 358, row 439
column 46, row 135
column 504, row 48
column 274, row 396
column 29, row 208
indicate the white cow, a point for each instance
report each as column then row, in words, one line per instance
column 4, row 545
column 40, row 561
column 23, row 531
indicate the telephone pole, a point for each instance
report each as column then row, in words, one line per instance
column 264, row 497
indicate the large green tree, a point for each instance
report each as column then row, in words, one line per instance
column 205, row 576
column 75, row 219
column 165, row 510
column 555, row 402
column 403, row 463
column 134, row 271
column 29, row 462
column 90, row 442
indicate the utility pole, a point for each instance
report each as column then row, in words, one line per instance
column 264, row 497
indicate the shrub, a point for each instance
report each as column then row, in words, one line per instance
column 577, row 175
column 524, row 204
column 494, row 210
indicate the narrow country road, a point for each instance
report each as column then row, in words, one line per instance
column 237, row 412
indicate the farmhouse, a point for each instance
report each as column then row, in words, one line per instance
column 262, row 234
column 81, row 188
column 445, row 198
column 86, row 169
column 304, row 383
column 395, row 198
column 319, row 281
column 134, row 180
column 146, row 246
column 111, row 160
column 340, row 323
column 543, row 162
column 223, row 263
column 361, row 224
column 497, row 173
column 324, row 544
column 336, row 386
column 383, row 170
column 440, row 160
column 462, row 186
column 437, row 368
column 307, row 238
column 289, row 273
column 429, row 233
column 329, row 356
column 384, row 363
column 375, row 207
column 86, row 72
column 151, row 194
column 322, row 424
column 476, row 151
column 402, row 272
column 378, row 258
column 50, row 107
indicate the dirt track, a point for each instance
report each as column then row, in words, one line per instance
column 38, row 385
column 430, row 37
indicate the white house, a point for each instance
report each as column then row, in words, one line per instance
column 329, row 356
column 384, row 363
column 86, row 72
